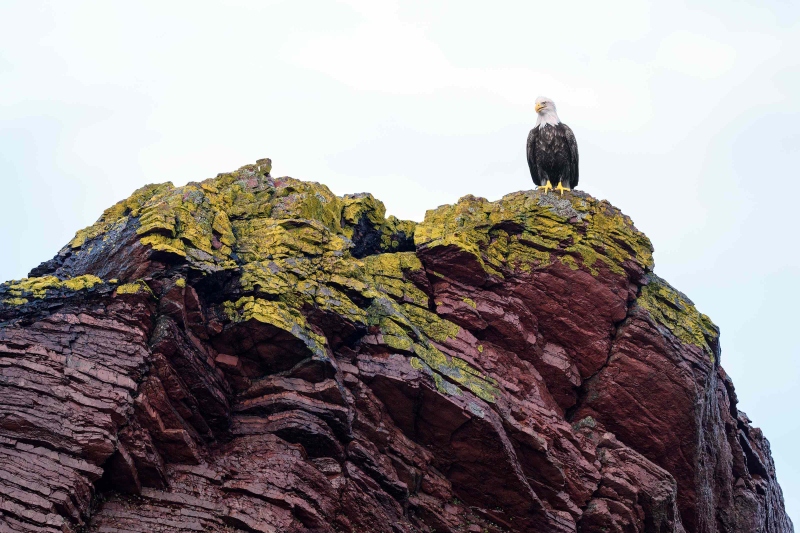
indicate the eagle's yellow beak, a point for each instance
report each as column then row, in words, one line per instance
column 539, row 107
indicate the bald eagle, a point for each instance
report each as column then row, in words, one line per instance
column 552, row 150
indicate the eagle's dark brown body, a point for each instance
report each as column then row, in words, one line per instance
column 553, row 155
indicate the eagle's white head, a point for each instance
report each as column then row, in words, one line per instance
column 546, row 109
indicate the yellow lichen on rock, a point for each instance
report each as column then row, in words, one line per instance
column 242, row 217
column 86, row 281
column 267, row 238
column 305, row 200
column 161, row 243
column 412, row 330
column 386, row 272
column 357, row 206
column 431, row 324
column 15, row 301
column 330, row 281
column 526, row 230
column 129, row 288
column 119, row 213
column 677, row 313
column 279, row 315
column 38, row 287
column 450, row 373
column 138, row 286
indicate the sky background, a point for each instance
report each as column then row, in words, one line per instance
column 686, row 115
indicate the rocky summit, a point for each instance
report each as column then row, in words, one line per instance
column 256, row 354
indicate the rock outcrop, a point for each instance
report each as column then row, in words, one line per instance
column 256, row 354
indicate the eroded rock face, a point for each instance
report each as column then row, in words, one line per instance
column 257, row 354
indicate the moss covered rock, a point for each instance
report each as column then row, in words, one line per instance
column 675, row 311
column 527, row 230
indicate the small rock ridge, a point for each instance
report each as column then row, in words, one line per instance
column 256, row 354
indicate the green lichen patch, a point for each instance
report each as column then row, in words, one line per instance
column 527, row 230
column 677, row 313
column 586, row 422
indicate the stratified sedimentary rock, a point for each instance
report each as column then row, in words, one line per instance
column 256, row 354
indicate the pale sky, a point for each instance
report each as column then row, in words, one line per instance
column 686, row 115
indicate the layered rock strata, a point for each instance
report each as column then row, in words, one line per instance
column 256, row 354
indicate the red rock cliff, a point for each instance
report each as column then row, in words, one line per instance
column 257, row 354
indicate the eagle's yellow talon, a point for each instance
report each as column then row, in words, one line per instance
column 561, row 189
column 547, row 187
